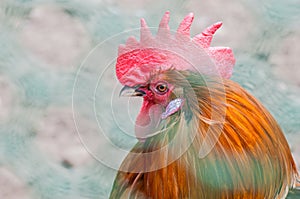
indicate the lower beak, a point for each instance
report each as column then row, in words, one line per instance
column 127, row 91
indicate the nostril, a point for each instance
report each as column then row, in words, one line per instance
column 139, row 93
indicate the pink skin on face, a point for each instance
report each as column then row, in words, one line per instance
column 150, row 114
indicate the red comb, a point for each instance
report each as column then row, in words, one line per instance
column 179, row 51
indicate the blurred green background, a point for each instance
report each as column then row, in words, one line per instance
column 58, row 100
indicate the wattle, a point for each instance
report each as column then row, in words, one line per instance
column 147, row 120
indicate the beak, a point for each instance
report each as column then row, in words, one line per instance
column 127, row 91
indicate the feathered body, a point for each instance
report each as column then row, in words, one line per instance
column 200, row 134
column 251, row 158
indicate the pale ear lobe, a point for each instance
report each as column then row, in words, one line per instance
column 173, row 106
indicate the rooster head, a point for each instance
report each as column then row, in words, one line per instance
column 156, row 69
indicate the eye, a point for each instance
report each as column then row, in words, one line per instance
column 162, row 87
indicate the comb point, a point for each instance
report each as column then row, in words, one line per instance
column 185, row 25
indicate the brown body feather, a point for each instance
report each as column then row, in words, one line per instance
column 250, row 159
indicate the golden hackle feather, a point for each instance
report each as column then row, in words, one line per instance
column 250, row 159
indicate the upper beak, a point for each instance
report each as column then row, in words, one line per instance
column 127, row 91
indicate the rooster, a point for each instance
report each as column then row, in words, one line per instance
column 200, row 134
